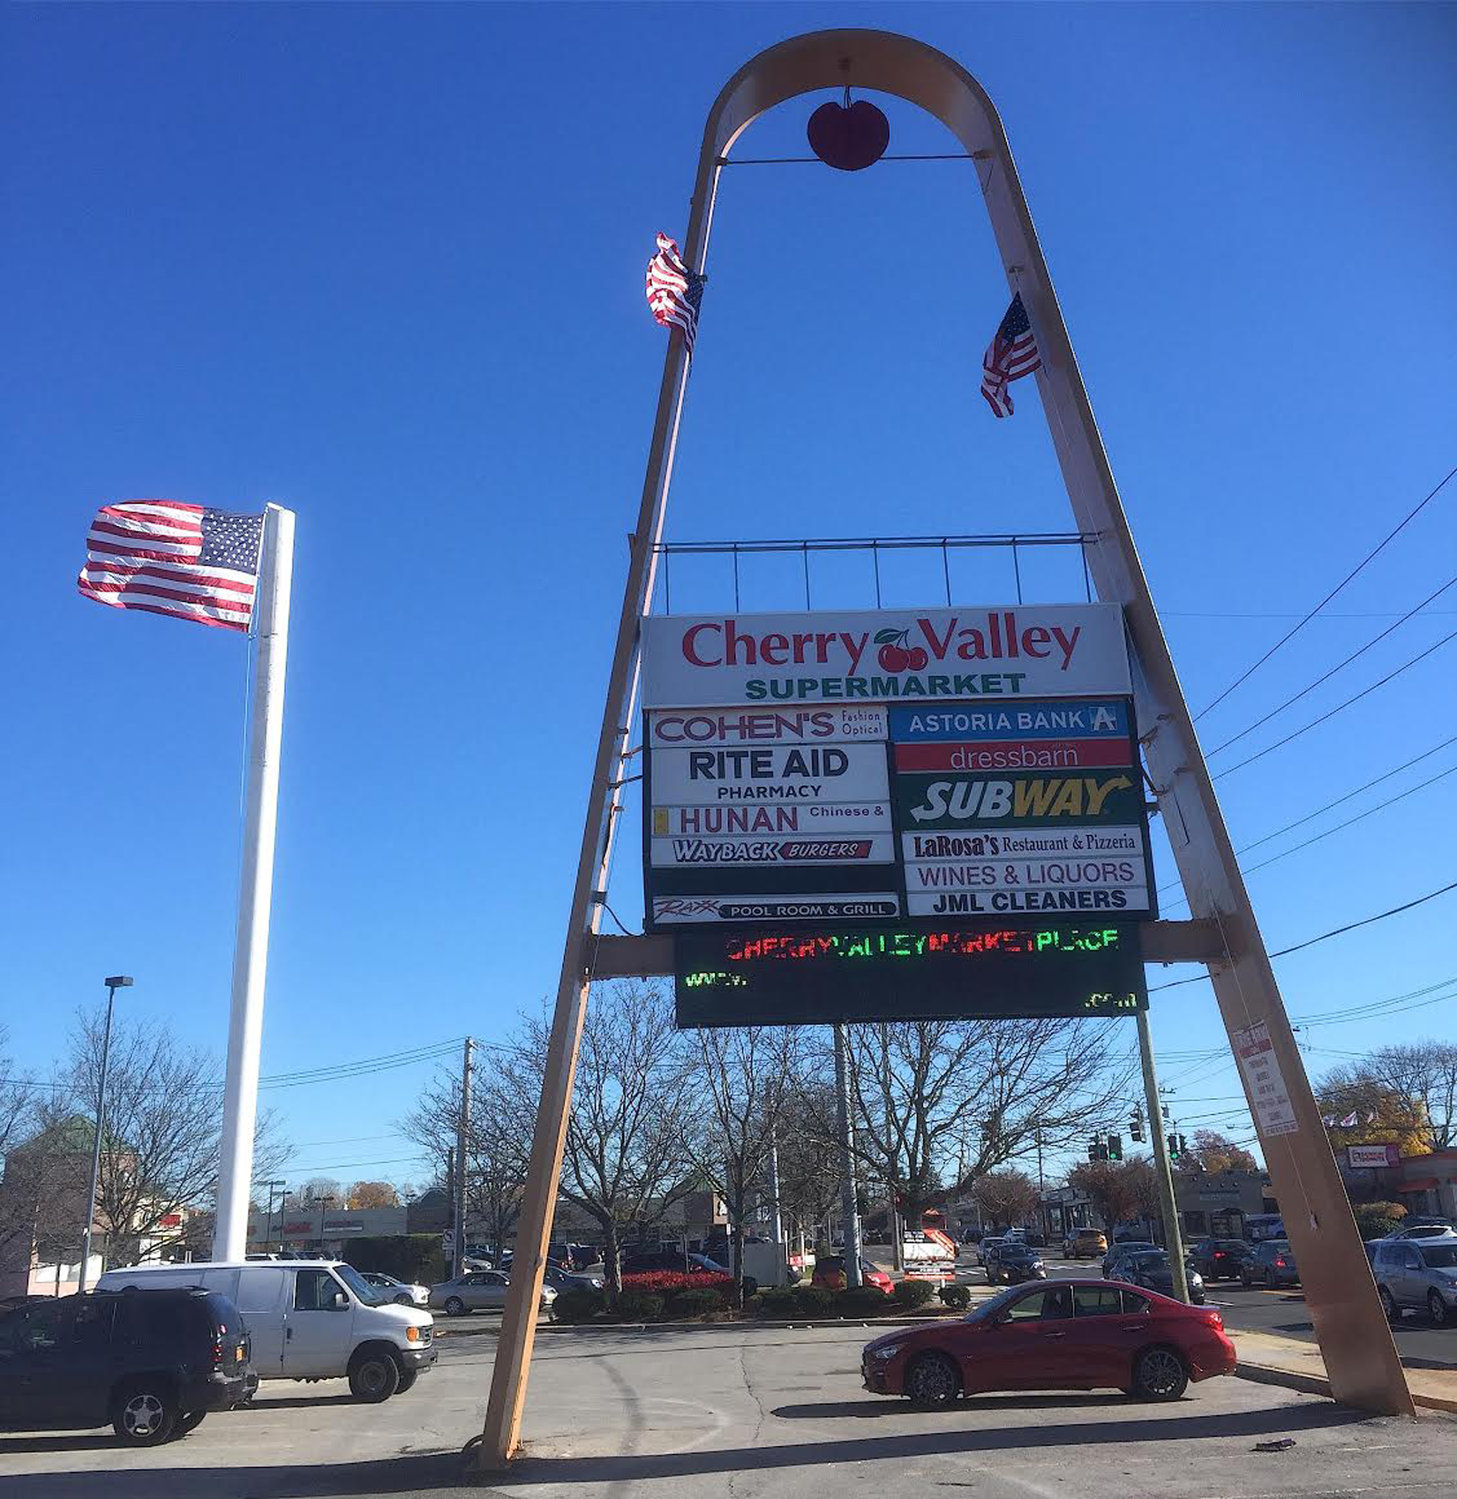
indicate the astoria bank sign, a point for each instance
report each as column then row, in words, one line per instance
column 1040, row 650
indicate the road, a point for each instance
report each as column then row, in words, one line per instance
column 1420, row 1345
column 734, row 1411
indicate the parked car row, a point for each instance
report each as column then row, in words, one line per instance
column 155, row 1348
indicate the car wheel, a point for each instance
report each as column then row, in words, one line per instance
column 404, row 1299
column 145, row 1414
column 373, row 1376
column 189, row 1421
column 932, row 1381
column 1388, row 1305
column 1438, row 1310
column 1159, row 1374
column 454, row 1307
column 407, row 1380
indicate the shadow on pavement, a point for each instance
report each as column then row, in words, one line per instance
column 441, row 1471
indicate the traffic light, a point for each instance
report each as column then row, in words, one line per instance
column 1115, row 1147
column 1097, row 1151
column 1135, row 1127
column 1183, row 1145
column 1176, row 1144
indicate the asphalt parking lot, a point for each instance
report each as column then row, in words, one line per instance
column 749, row 1412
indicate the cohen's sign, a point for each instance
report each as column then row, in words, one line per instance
column 1042, row 650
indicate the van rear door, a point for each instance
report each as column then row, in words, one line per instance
column 260, row 1298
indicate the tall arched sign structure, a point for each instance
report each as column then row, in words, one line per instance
column 1355, row 1340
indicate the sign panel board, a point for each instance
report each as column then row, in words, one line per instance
column 883, row 656
column 1271, row 1098
column 1365, row 1157
column 789, row 976
column 747, row 809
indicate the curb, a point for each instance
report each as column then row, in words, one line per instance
column 603, row 1328
column 1314, row 1384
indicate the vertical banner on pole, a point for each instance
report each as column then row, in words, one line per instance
column 255, row 886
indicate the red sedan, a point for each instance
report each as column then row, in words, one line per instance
column 830, row 1274
column 1058, row 1335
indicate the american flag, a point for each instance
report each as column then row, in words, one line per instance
column 172, row 558
column 674, row 291
column 1010, row 355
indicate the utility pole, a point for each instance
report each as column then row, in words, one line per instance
column 892, row 1155
column 462, row 1156
column 849, row 1210
column 120, row 981
column 1173, row 1237
column 776, row 1229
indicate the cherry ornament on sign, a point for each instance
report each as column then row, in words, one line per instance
column 848, row 137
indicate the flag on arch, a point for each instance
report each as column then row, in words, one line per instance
column 168, row 557
column 1011, row 354
column 674, row 292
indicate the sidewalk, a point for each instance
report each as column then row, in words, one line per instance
column 1271, row 1359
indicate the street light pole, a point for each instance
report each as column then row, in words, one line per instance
column 325, row 1203
column 119, row 981
column 268, row 1219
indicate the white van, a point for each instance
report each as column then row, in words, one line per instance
column 309, row 1319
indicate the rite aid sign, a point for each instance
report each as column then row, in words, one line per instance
column 1370, row 1156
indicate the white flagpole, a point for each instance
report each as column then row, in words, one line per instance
column 255, row 886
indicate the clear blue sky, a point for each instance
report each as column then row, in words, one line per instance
column 384, row 265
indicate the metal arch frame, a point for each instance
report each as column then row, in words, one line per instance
column 1360, row 1355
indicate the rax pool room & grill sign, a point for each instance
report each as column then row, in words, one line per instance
column 890, row 814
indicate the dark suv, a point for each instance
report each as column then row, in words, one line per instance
column 152, row 1363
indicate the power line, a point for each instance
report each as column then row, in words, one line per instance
column 1305, row 619
column 1380, row 806
column 1326, row 936
column 1339, row 666
column 1340, row 707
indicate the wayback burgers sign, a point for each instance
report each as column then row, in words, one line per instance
column 885, row 656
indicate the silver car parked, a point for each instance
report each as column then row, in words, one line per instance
column 478, row 1291
column 402, row 1293
column 1419, row 1273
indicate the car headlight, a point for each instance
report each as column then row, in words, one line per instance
column 412, row 1334
column 886, row 1353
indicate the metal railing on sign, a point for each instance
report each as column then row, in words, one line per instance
column 1014, row 542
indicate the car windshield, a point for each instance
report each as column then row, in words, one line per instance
column 1149, row 1260
column 1439, row 1256
column 368, row 1294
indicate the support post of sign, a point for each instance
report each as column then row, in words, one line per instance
column 501, row 1434
column 1355, row 1339
column 462, row 1157
column 849, row 1207
column 1168, row 1205
column 255, row 886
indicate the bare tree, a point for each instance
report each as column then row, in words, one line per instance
column 1118, row 1190
column 318, row 1190
column 1213, row 1153
column 940, row 1103
column 809, row 1165
column 1006, row 1197
column 160, row 1132
column 498, row 1139
column 625, row 1158
column 742, row 1076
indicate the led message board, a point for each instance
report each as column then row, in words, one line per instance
column 784, row 976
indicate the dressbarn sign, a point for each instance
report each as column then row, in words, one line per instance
column 885, row 656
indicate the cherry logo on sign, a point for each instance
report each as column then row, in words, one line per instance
column 896, row 652
column 848, row 137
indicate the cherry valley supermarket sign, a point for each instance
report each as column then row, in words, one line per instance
column 882, row 656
